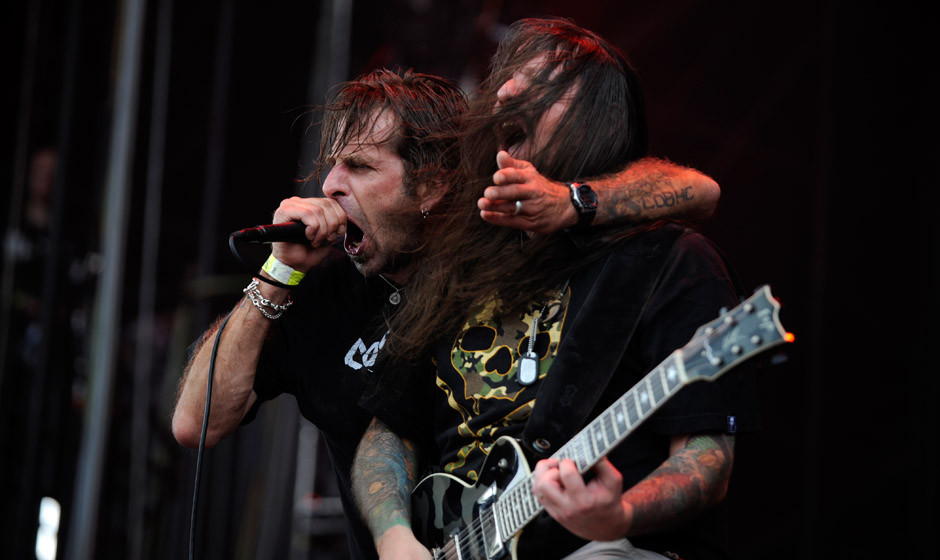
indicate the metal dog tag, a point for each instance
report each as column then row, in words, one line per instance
column 528, row 368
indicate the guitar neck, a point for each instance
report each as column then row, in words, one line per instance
column 518, row 505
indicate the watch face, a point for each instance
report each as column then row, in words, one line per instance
column 588, row 196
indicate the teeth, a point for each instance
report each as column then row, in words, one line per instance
column 351, row 247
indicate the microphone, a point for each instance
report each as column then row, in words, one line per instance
column 291, row 232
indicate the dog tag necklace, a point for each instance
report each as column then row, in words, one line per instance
column 529, row 362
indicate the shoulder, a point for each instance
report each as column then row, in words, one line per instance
column 698, row 259
column 679, row 245
column 688, row 254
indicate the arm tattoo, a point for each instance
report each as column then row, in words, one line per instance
column 694, row 478
column 650, row 196
column 382, row 478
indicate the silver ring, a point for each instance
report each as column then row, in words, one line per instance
column 518, row 207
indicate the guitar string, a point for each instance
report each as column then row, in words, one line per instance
column 473, row 534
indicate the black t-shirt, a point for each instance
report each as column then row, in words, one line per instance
column 477, row 397
column 321, row 351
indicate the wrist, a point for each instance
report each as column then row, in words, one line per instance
column 271, row 306
column 569, row 217
column 584, row 202
column 394, row 538
column 271, row 288
column 281, row 274
column 626, row 521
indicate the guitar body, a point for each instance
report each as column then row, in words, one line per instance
column 450, row 516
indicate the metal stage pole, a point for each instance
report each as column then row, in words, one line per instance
column 106, row 314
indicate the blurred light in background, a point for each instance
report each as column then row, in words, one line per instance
column 47, row 537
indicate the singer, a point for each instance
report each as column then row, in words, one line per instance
column 388, row 139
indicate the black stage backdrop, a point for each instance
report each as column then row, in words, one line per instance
column 816, row 118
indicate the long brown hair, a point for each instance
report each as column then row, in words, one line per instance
column 427, row 109
column 468, row 260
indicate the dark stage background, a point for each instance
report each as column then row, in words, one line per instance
column 817, row 119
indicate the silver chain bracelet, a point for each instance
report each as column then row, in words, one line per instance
column 259, row 301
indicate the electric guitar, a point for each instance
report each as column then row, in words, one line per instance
column 484, row 521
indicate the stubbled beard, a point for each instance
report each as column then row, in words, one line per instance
column 409, row 238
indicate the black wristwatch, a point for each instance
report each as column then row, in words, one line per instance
column 585, row 203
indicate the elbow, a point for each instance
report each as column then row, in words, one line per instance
column 711, row 194
column 720, row 485
column 721, row 491
column 187, row 431
column 183, row 431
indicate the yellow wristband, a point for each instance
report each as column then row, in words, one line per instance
column 281, row 272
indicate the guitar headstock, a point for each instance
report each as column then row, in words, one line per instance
column 736, row 335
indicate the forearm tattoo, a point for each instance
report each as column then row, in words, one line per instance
column 689, row 481
column 653, row 196
column 383, row 476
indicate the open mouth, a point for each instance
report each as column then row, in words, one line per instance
column 511, row 134
column 352, row 243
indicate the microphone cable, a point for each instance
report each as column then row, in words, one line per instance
column 202, row 438
column 205, row 417
column 234, row 250
column 200, row 451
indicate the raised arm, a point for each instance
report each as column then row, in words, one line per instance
column 693, row 478
column 646, row 190
column 383, row 475
column 244, row 334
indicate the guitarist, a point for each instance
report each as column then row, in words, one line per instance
column 600, row 306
